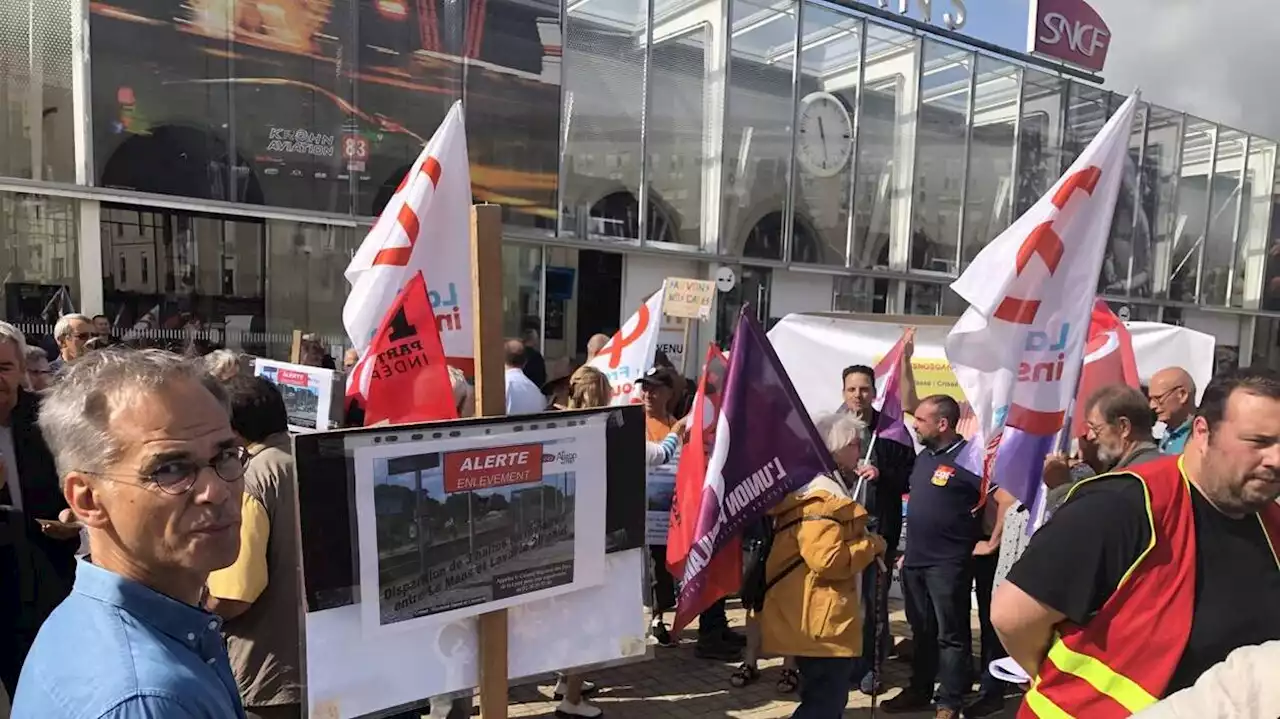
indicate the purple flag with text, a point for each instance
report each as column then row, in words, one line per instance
column 765, row 447
column 1017, row 350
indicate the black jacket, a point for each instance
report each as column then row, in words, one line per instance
column 36, row 572
column 884, row 504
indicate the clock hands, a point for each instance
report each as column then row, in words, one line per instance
column 822, row 137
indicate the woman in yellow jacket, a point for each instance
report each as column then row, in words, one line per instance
column 811, row 605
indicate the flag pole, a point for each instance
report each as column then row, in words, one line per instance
column 486, row 289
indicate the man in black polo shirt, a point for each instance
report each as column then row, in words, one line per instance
column 938, row 567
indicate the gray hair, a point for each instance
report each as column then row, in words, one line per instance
column 463, row 395
column 63, row 326
column 14, row 336
column 74, row 416
column 838, row 430
column 222, row 364
column 35, row 354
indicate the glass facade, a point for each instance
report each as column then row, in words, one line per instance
column 751, row 133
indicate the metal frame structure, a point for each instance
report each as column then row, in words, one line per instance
column 864, row 16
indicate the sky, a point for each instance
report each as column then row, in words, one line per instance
column 1215, row 60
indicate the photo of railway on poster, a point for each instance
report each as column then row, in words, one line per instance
column 458, row 527
column 307, row 391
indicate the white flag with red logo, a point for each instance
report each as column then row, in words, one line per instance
column 1017, row 349
column 426, row 227
column 629, row 353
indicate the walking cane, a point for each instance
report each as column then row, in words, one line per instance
column 881, row 573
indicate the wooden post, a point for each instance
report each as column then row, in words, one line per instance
column 486, row 328
column 295, row 350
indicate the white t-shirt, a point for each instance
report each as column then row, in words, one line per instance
column 10, row 466
column 523, row 396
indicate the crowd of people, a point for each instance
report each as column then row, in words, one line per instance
column 148, row 513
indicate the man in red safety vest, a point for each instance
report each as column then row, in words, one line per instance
column 1147, row 577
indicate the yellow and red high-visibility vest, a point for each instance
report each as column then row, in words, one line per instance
column 1122, row 660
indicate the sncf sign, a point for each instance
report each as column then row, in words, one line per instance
column 1070, row 31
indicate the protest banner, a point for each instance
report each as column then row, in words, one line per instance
column 765, row 447
column 452, row 527
column 308, row 393
column 660, row 491
column 629, row 353
column 1017, row 350
column 378, row 673
column 815, row 349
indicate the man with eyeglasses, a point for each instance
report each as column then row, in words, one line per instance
column 71, row 333
column 149, row 463
column 258, row 596
column 1172, row 397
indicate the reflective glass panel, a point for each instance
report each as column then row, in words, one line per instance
column 604, row 45
column 39, row 260
column 757, row 137
column 886, row 149
column 824, row 135
column 1251, row 250
column 1224, row 218
column 1198, row 143
column 940, row 157
column 989, row 197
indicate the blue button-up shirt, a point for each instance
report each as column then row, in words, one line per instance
column 118, row 650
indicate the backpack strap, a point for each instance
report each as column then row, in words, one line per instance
column 798, row 561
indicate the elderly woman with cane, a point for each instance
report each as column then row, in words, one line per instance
column 812, row 601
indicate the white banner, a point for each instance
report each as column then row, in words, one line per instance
column 815, row 349
column 629, row 353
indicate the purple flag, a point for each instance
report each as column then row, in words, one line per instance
column 891, row 425
column 765, row 447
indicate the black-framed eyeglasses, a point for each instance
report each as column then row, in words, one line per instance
column 179, row 476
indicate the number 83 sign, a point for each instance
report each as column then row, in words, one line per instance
column 355, row 150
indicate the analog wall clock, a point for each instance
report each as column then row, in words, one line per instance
column 825, row 140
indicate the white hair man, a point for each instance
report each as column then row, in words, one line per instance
column 464, row 397
column 150, row 465
column 30, row 503
column 222, row 364
column 71, row 333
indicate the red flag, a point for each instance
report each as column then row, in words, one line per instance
column 692, row 470
column 1108, row 359
column 404, row 376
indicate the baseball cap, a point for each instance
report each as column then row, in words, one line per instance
column 658, row 375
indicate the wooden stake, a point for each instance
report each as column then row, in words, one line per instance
column 295, row 351
column 486, row 328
